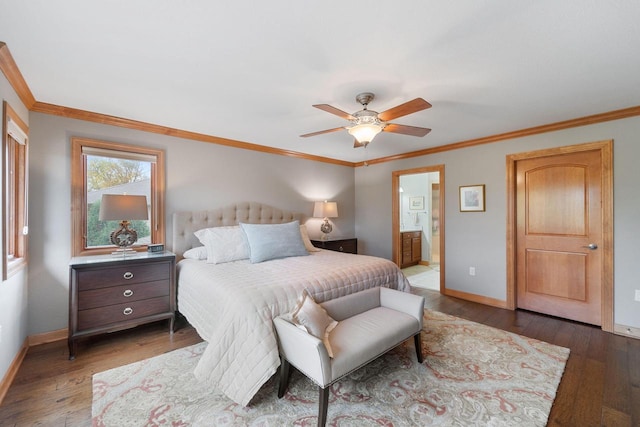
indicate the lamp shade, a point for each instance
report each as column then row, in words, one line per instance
column 365, row 132
column 325, row 210
column 123, row 207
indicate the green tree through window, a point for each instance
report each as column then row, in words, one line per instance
column 107, row 175
column 105, row 172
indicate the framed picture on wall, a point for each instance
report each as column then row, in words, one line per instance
column 472, row 198
column 416, row 203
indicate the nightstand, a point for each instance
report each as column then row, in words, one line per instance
column 339, row 245
column 108, row 293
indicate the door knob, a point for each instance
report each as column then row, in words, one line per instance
column 591, row 246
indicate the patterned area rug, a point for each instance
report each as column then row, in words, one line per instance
column 473, row 375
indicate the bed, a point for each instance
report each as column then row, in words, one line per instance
column 232, row 304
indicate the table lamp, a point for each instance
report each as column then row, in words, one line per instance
column 123, row 208
column 325, row 210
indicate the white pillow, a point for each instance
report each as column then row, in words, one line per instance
column 224, row 244
column 306, row 240
column 199, row 253
column 311, row 317
column 271, row 241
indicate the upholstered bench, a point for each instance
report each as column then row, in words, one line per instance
column 345, row 334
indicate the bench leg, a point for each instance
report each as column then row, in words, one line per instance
column 285, row 373
column 323, row 403
column 417, row 339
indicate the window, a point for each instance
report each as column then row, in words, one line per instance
column 100, row 167
column 14, row 186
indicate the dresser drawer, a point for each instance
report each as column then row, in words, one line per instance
column 123, row 294
column 348, row 246
column 338, row 245
column 122, row 275
column 118, row 313
column 411, row 234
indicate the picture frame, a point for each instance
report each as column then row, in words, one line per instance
column 472, row 198
column 416, row 203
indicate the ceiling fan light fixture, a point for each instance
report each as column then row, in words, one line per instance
column 365, row 132
column 366, row 124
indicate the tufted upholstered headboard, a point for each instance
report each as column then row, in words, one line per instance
column 185, row 223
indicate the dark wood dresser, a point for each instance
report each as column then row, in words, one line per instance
column 111, row 292
column 339, row 245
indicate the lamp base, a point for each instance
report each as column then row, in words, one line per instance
column 326, row 228
column 123, row 252
column 124, row 237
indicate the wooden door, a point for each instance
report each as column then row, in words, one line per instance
column 559, row 235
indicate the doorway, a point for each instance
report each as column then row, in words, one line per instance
column 418, row 225
column 560, row 228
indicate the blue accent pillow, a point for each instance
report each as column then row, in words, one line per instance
column 272, row 241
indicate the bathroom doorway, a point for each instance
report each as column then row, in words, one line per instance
column 418, row 225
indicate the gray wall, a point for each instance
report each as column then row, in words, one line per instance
column 479, row 239
column 13, row 292
column 198, row 176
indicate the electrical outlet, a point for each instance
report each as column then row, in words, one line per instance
column 472, row 271
column 637, row 295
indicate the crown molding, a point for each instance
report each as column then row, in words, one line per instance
column 10, row 70
column 566, row 124
column 74, row 113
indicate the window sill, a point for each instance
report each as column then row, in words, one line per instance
column 13, row 266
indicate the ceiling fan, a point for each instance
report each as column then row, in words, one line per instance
column 366, row 124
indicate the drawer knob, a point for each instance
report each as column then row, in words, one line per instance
column 341, row 249
column 128, row 275
column 127, row 311
column 128, row 293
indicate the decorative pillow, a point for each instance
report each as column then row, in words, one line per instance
column 314, row 319
column 271, row 241
column 305, row 239
column 224, row 244
column 199, row 253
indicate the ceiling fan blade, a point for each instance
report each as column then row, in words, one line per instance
column 417, row 104
column 320, row 132
column 406, row 130
column 333, row 110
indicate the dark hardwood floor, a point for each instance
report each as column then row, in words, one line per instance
column 600, row 386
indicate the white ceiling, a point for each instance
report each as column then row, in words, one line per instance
column 250, row 70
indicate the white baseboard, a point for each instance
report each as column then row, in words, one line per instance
column 627, row 331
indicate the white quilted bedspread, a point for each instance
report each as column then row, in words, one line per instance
column 232, row 305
